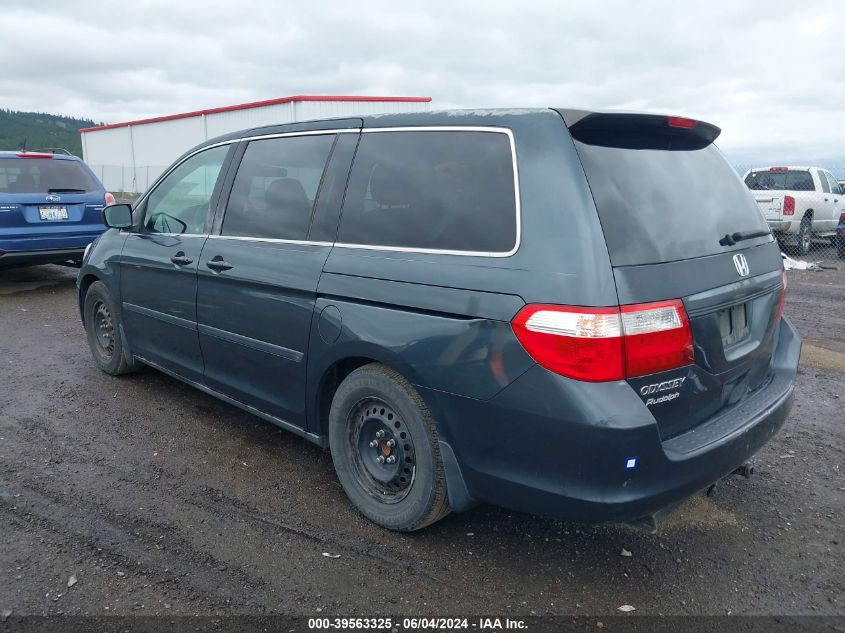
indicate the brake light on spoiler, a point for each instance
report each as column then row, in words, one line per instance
column 34, row 155
column 682, row 122
column 604, row 344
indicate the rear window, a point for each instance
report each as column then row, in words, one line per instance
column 443, row 190
column 39, row 175
column 664, row 205
column 780, row 181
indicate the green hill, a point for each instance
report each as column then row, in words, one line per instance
column 40, row 130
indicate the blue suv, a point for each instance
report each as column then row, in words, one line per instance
column 50, row 208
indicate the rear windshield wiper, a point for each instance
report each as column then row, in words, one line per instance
column 65, row 190
column 732, row 238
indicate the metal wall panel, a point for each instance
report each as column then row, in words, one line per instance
column 306, row 110
column 131, row 157
column 223, row 122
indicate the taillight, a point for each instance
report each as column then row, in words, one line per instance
column 109, row 199
column 603, row 344
column 788, row 205
column 658, row 337
column 782, row 301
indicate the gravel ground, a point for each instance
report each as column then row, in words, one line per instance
column 158, row 499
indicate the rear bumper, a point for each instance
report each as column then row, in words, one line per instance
column 549, row 445
column 44, row 249
column 23, row 258
column 783, row 226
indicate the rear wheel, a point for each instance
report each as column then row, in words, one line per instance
column 840, row 246
column 101, row 328
column 805, row 237
column 384, row 448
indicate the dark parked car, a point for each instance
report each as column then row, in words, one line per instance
column 562, row 312
column 50, row 208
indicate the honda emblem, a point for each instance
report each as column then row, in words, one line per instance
column 741, row 264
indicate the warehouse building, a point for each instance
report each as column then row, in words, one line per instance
column 130, row 156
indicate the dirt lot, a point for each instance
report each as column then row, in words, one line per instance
column 159, row 499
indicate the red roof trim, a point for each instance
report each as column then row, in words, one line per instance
column 256, row 104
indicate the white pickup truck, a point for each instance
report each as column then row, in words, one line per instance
column 799, row 203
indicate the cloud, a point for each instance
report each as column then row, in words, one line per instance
column 769, row 74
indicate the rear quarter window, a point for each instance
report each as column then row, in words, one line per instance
column 438, row 190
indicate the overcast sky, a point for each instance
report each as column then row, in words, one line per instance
column 770, row 73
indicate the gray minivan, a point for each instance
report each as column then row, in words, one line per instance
column 564, row 312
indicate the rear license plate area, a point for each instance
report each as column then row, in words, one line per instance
column 733, row 324
column 52, row 214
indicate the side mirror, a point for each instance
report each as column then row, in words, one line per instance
column 118, row 216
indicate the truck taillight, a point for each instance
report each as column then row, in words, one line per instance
column 109, row 199
column 788, row 205
column 603, row 344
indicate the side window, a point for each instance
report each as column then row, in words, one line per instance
column 179, row 204
column 444, row 190
column 823, row 180
column 834, row 186
column 799, row 181
column 276, row 187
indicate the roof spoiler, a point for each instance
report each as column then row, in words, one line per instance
column 639, row 131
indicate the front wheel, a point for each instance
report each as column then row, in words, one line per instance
column 101, row 328
column 384, row 448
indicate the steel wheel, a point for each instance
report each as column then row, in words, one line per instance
column 382, row 450
column 103, row 329
column 385, row 449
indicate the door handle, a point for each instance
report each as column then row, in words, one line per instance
column 181, row 259
column 219, row 264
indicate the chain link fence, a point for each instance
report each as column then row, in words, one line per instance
column 805, row 208
column 126, row 179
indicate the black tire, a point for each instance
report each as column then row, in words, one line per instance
column 804, row 240
column 101, row 329
column 840, row 247
column 408, row 494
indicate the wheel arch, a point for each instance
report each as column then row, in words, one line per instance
column 346, row 359
column 85, row 282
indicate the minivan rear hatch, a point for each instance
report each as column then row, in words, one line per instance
column 680, row 224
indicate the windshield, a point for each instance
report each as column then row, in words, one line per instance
column 38, row 175
column 780, row 180
column 660, row 205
